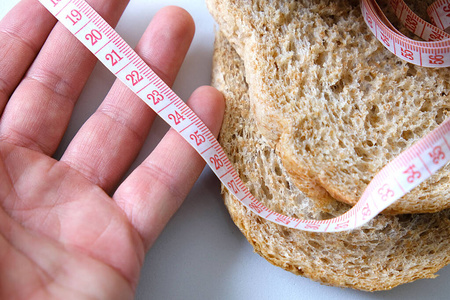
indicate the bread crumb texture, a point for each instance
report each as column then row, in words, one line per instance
column 279, row 104
column 335, row 104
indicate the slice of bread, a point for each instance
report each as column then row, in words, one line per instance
column 335, row 104
column 388, row 251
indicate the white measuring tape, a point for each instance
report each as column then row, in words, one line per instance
column 396, row 179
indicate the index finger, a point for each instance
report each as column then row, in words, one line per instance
column 23, row 31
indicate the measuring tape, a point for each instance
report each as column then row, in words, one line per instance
column 396, row 179
column 433, row 52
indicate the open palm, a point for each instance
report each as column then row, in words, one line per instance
column 68, row 229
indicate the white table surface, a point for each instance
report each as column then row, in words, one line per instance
column 201, row 254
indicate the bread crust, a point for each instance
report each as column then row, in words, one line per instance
column 388, row 251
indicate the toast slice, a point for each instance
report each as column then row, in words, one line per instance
column 334, row 103
column 388, row 251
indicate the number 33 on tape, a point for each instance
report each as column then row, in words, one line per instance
column 418, row 163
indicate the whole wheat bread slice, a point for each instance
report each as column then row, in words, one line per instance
column 388, row 251
column 331, row 100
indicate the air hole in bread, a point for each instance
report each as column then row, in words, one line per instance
column 372, row 117
column 412, row 71
column 338, row 86
column 314, row 244
column 277, row 170
column 266, row 191
column 325, row 260
column 441, row 115
column 408, row 135
column 368, row 77
column 368, row 143
column 361, row 152
column 426, row 106
column 320, row 59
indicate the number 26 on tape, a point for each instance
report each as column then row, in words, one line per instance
column 218, row 163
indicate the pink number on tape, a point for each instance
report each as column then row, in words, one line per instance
column 429, row 153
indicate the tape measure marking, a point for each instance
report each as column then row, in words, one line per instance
column 397, row 178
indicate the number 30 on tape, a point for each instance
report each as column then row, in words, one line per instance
column 408, row 170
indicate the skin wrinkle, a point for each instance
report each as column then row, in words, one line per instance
column 49, row 208
column 153, row 174
column 139, row 257
column 4, row 53
column 53, row 82
column 114, row 113
column 45, row 276
column 3, row 91
column 17, row 138
column 12, row 35
column 9, row 184
column 163, row 177
column 5, row 84
column 90, row 169
column 138, row 250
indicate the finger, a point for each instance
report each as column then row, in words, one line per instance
column 108, row 143
column 155, row 190
column 39, row 110
column 23, row 31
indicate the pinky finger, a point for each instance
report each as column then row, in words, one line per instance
column 156, row 189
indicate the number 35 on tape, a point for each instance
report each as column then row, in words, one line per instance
column 414, row 165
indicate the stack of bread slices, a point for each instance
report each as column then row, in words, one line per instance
column 315, row 108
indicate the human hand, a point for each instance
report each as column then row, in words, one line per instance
column 62, row 235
